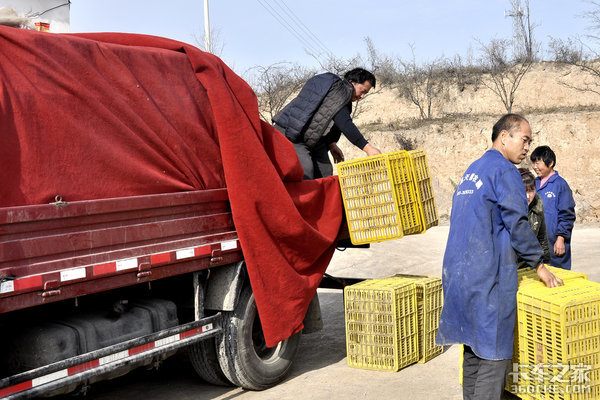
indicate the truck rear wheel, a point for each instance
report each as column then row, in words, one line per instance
column 243, row 355
column 203, row 357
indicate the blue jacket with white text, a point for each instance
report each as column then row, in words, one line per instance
column 559, row 212
column 488, row 224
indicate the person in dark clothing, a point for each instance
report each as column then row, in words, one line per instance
column 316, row 118
column 535, row 215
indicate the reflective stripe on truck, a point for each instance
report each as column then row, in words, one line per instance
column 82, row 367
column 113, row 267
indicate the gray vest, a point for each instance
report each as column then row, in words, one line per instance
column 337, row 97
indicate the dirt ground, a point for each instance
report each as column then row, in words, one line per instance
column 321, row 370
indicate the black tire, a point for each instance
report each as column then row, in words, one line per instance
column 203, row 357
column 243, row 355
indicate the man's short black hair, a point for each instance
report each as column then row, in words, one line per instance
column 545, row 154
column 508, row 122
column 360, row 75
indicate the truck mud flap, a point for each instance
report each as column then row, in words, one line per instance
column 224, row 286
column 80, row 368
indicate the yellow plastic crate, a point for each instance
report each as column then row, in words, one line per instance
column 405, row 187
column 382, row 199
column 420, row 168
column 429, row 308
column 527, row 276
column 381, row 324
column 559, row 342
column 369, row 199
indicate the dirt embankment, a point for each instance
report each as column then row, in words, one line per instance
column 561, row 117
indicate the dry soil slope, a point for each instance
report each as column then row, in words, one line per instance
column 561, row 117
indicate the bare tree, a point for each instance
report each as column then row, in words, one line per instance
column 567, row 51
column 505, row 73
column 593, row 18
column 384, row 67
column 589, row 65
column 464, row 72
column 584, row 57
column 421, row 84
column 337, row 65
column 340, row 65
column 276, row 84
column 216, row 43
column 506, row 69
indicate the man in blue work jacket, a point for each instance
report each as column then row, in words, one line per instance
column 488, row 226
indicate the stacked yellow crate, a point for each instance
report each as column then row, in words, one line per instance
column 369, row 200
column 420, row 168
column 528, row 277
column 528, row 281
column 392, row 322
column 557, row 339
column 387, row 196
column 381, row 324
column 430, row 300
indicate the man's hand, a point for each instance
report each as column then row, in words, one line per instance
column 548, row 277
column 559, row 246
column 371, row 150
column 336, row 153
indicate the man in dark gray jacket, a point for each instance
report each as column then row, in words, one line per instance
column 316, row 118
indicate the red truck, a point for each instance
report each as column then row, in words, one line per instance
column 144, row 209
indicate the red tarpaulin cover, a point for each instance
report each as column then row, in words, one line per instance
column 90, row 116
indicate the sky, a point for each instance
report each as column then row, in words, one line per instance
column 248, row 34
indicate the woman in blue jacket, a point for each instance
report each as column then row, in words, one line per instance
column 559, row 206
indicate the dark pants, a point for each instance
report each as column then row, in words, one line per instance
column 483, row 379
column 315, row 162
column 563, row 261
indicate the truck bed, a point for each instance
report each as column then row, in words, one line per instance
column 105, row 115
column 64, row 250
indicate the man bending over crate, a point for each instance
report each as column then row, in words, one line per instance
column 325, row 102
column 488, row 228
